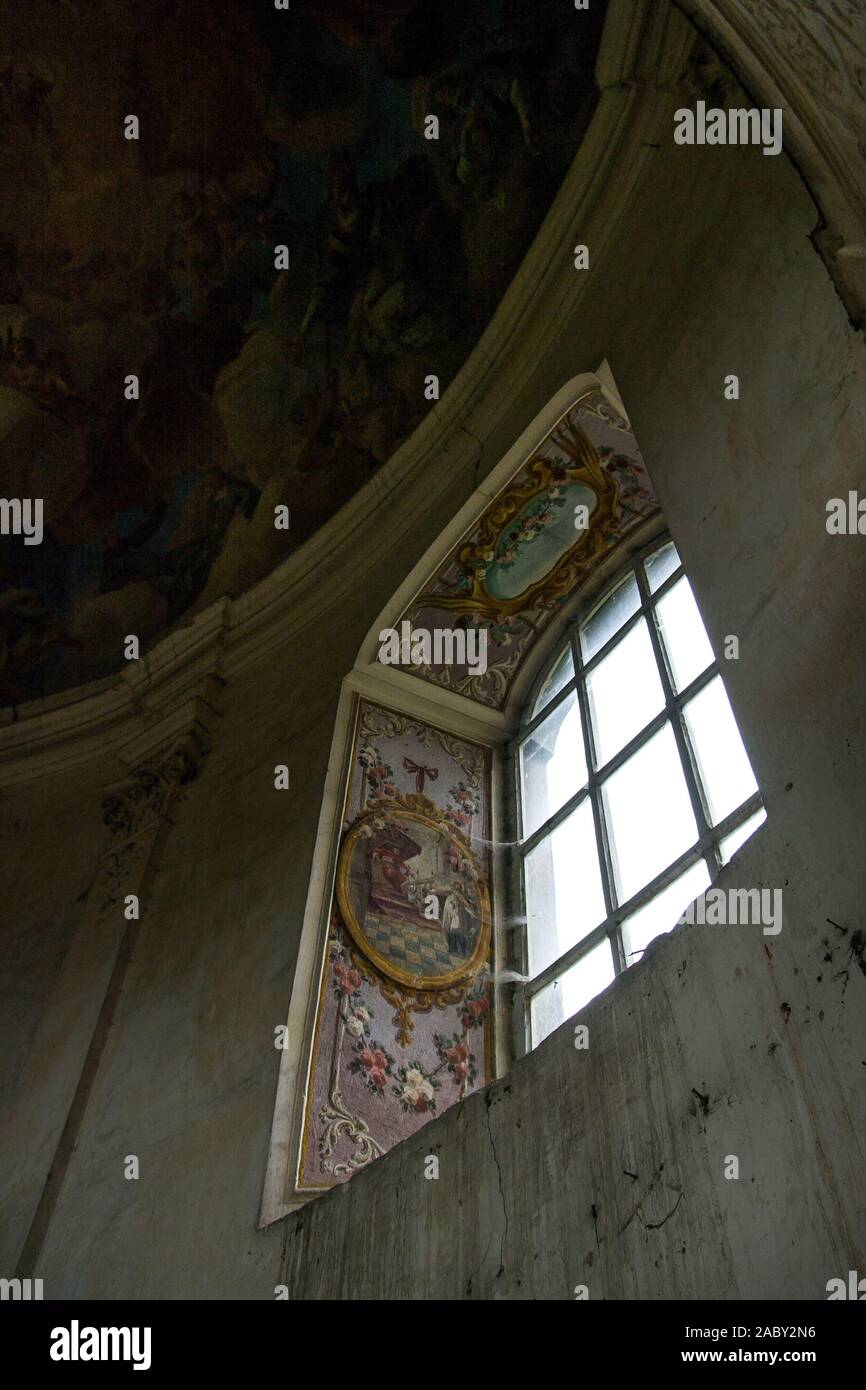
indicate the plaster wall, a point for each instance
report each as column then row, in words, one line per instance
column 708, row 270
column 605, row 1167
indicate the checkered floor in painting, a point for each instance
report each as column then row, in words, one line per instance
column 417, row 949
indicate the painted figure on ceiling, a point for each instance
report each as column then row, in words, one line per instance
column 485, row 104
column 160, row 256
column 44, row 377
column 343, row 252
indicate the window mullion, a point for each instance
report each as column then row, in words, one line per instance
column 678, row 725
column 545, row 711
column 563, row 963
column 519, row 958
column 700, row 805
column 665, row 587
column 602, row 843
column 518, row 940
column 735, row 819
column 684, row 739
column 598, row 657
column 634, row 745
column 685, row 697
column 553, row 822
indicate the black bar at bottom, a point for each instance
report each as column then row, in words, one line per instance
column 164, row 1339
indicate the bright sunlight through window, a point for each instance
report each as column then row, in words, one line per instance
column 634, row 787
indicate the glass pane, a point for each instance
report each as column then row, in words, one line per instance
column 564, row 997
column 552, row 764
column 722, row 760
column 660, row 915
column 561, row 674
column 609, row 617
column 731, row 843
column 660, row 565
column 649, row 815
column 564, row 899
column 686, row 642
column 625, row 693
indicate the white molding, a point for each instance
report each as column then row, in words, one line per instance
column 425, row 479
column 644, row 48
column 145, row 705
column 388, row 685
column 428, row 471
column 456, row 714
column 444, row 709
column 295, row 1058
column 498, row 477
column 543, row 296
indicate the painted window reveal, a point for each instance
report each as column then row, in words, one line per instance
column 403, row 1026
column 578, row 496
column 633, row 783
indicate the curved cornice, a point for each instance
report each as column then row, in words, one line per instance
column 644, row 48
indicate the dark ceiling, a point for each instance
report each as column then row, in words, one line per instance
column 155, row 258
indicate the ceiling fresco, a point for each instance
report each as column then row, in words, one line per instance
column 155, row 258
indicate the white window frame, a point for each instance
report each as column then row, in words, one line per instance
column 707, row 847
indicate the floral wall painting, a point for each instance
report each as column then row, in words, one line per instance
column 403, row 1026
column 525, row 555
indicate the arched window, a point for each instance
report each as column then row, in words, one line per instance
column 633, row 787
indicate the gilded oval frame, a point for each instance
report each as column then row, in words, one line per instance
column 461, row 974
column 565, row 572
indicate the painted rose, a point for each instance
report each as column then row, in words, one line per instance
column 348, row 980
column 459, row 1060
column 473, row 1012
column 373, row 1061
column 417, row 1090
column 358, row 1022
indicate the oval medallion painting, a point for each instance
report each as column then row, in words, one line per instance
column 536, row 540
column 413, row 898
